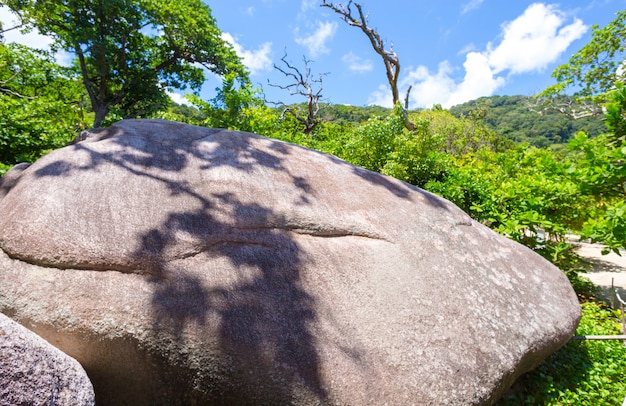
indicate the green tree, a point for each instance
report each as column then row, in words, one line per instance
column 371, row 144
column 598, row 65
column 130, row 52
column 237, row 108
column 600, row 170
column 598, row 71
column 41, row 104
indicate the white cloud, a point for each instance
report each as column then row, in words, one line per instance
column 479, row 80
column 381, row 97
column 467, row 49
column 256, row 61
column 307, row 5
column 356, row 63
column 471, row 5
column 316, row 42
column 32, row 39
column 530, row 43
column 430, row 88
column 534, row 40
column 178, row 98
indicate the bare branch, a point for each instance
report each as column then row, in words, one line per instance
column 21, row 24
column 8, row 91
column 16, row 94
column 390, row 58
column 12, row 28
column 406, row 98
column 388, row 55
column 303, row 85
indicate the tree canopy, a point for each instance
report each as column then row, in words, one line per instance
column 41, row 104
column 130, row 52
column 598, row 65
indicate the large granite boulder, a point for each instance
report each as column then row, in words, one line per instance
column 185, row 265
column 33, row 372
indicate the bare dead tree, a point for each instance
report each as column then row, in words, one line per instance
column 304, row 84
column 389, row 56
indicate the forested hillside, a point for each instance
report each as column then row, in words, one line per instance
column 513, row 118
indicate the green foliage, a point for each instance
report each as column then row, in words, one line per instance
column 512, row 118
column 461, row 135
column 598, row 168
column 4, row 168
column 581, row 373
column 41, row 104
column 343, row 114
column 615, row 117
column 371, row 144
column 609, row 228
column 129, row 52
column 384, row 145
column 417, row 156
column 595, row 68
column 183, row 113
column 601, row 173
column 239, row 108
column 525, row 193
column 584, row 288
column 535, row 196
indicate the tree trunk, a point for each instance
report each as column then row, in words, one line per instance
column 389, row 57
column 101, row 111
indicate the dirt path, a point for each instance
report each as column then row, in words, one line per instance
column 606, row 269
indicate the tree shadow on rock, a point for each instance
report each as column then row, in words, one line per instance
column 259, row 312
column 233, row 280
column 260, row 317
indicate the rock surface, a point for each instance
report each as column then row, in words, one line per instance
column 181, row 264
column 33, row 372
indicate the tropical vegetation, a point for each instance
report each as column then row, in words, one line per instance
column 516, row 164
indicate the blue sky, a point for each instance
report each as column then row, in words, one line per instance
column 450, row 51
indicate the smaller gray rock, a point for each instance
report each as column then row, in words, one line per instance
column 33, row 372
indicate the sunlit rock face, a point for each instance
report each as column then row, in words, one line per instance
column 181, row 264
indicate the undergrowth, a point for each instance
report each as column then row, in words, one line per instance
column 586, row 373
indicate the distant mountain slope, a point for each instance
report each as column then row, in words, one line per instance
column 510, row 117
